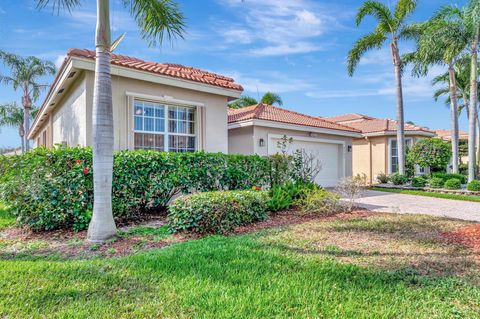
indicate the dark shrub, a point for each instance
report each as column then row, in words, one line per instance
column 284, row 196
column 474, row 186
column 447, row 176
column 436, row 182
column 217, row 212
column 453, row 183
column 383, row 178
column 320, row 201
column 419, row 181
column 398, row 179
column 52, row 188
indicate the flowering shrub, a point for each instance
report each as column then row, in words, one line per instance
column 217, row 212
column 53, row 188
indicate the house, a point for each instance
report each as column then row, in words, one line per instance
column 375, row 152
column 260, row 129
column 446, row 135
column 158, row 106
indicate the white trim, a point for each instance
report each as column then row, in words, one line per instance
column 163, row 99
column 389, row 160
column 49, row 99
column 394, row 133
column 87, row 64
column 313, row 139
column 295, row 127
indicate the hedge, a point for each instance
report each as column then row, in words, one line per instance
column 53, row 188
column 217, row 212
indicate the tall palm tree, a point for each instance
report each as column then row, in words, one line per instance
column 472, row 18
column 269, row 98
column 25, row 74
column 12, row 115
column 442, row 41
column 392, row 27
column 157, row 19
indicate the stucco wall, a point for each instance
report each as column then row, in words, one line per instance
column 240, row 140
column 216, row 137
column 370, row 156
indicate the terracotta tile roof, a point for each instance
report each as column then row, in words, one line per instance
column 368, row 124
column 447, row 135
column 166, row 69
column 276, row 114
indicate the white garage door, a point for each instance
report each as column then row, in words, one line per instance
column 329, row 154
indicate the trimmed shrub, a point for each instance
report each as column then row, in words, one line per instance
column 398, row 179
column 383, row 178
column 436, row 182
column 217, row 212
column 447, row 176
column 53, row 188
column 419, row 181
column 474, row 186
column 453, row 183
column 320, row 201
column 284, row 196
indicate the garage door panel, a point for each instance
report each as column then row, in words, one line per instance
column 328, row 154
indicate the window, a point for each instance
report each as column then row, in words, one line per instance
column 394, row 153
column 163, row 127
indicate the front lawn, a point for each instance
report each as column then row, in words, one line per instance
column 428, row 194
column 364, row 266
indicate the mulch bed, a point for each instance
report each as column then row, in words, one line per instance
column 468, row 236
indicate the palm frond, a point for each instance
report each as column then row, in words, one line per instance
column 157, row 19
column 440, row 92
column 370, row 41
column 376, row 9
column 271, row 99
column 59, row 5
column 403, row 9
column 243, row 101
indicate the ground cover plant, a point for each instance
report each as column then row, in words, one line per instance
column 358, row 265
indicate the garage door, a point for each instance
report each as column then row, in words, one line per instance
column 329, row 155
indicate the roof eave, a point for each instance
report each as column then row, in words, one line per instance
column 393, row 133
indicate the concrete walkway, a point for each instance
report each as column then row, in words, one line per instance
column 412, row 204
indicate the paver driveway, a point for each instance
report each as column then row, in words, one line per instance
column 412, row 204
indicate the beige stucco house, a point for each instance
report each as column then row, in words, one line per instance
column 260, row 129
column 155, row 106
column 375, row 152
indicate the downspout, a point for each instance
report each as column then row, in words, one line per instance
column 370, row 165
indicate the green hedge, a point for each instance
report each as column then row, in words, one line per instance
column 217, row 212
column 447, row 176
column 53, row 188
column 453, row 183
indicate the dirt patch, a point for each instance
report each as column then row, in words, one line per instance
column 468, row 236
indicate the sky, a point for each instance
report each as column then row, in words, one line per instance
column 297, row 49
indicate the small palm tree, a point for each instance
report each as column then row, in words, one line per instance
column 390, row 26
column 157, row 19
column 442, row 42
column 25, row 74
column 12, row 115
column 269, row 98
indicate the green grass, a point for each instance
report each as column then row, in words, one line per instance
column 428, row 194
column 263, row 275
column 6, row 219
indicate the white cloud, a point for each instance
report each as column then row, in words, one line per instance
column 275, row 82
column 59, row 60
column 279, row 27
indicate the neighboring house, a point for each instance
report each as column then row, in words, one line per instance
column 375, row 152
column 446, row 135
column 166, row 107
column 260, row 129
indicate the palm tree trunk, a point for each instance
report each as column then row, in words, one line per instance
column 400, row 117
column 454, row 117
column 27, row 106
column 102, row 226
column 21, row 132
column 473, row 108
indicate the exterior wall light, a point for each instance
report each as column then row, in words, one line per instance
column 261, row 142
column 349, row 148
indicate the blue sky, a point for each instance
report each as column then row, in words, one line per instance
column 295, row 48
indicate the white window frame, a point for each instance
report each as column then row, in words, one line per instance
column 167, row 106
column 390, row 151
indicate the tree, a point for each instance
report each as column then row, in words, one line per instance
column 157, row 19
column 269, row 98
column 431, row 152
column 25, row 74
column 12, row 115
column 442, row 41
column 390, row 26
